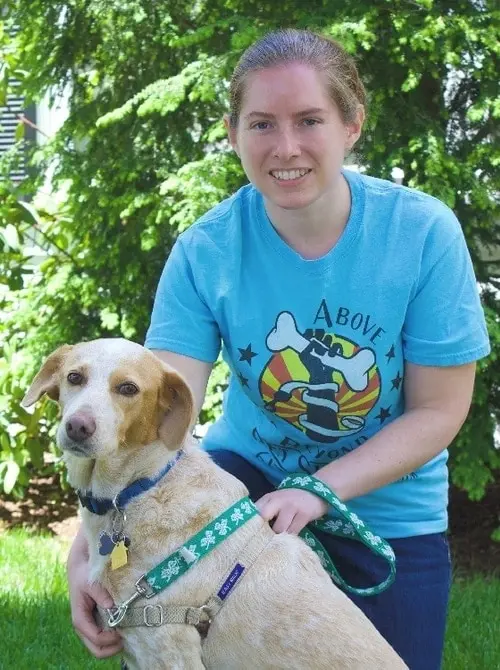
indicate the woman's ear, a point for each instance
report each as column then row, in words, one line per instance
column 353, row 129
column 231, row 133
column 176, row 410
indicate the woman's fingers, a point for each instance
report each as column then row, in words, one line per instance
column 299, row 521
column 104, row 642
column 283, row 521
column 270, row 507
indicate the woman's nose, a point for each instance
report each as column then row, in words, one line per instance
column 287, row 146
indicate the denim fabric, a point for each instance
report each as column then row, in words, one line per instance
column 410, row 614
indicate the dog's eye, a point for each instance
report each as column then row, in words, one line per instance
column 128, row 389
column 75, row 378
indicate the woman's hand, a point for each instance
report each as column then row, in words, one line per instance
column 83, row 598
column 291, row 509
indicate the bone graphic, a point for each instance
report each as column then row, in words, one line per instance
column 285, row 334
column 355, row 369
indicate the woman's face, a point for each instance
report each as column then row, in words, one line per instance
column 290, row 136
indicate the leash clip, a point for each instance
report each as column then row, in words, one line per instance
column 117, row 614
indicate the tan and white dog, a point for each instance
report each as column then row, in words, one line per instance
column 125, row 415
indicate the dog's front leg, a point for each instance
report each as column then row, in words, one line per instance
column 168, row 647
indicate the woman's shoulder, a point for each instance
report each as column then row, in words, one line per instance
column 412, row 208
column 412, row 197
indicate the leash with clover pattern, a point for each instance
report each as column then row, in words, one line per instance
column 354, row 526
column 179, row 562
column 201, row 544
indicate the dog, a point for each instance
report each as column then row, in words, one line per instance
column 126, row 417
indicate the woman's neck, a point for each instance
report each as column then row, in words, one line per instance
column 314, row 230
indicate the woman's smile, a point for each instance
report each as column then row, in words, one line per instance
column 290, row 177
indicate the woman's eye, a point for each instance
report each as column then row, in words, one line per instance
column 261, row 125
column 128, row 389
column 310, row 122
column 75, row 378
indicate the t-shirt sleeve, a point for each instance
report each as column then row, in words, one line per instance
column 445, row 323
column 181, row 321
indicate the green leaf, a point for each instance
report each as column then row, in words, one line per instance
column 5, row 442
column 20, row 130
column 11, row 475
column 109, row 319
column 10, row 236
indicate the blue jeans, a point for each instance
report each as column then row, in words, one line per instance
column 410, row 614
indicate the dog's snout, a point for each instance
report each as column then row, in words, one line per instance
column 80, row 426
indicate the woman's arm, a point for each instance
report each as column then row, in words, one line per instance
column 83, row 598
column 437, row 401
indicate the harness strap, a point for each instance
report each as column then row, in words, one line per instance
column 156, row 615
column 175, row 565
column 357, row 528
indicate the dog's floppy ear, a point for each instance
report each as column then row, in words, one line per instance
column 177, row 404
column 47, row 379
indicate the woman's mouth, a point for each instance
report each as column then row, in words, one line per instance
column 290, row 176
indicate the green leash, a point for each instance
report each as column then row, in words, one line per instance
column 179, row 562
column 353, row 527
column 201, row 544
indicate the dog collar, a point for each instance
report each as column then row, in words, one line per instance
column 102, row 505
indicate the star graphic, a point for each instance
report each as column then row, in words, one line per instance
column 396, row 382
column 390, row 354
column 243, row 380
column 384, row 414
column 247, row 354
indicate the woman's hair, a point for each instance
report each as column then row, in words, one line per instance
column 282, row 47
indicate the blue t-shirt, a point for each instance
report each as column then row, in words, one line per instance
column 317, row 347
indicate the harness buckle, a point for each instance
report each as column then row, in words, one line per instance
column 197, row 615
column 143, row 588
column 152, row 624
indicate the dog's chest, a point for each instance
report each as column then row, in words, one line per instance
column 142, row 554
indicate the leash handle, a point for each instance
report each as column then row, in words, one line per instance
column 354, row 527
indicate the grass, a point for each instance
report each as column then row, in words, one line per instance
column 472, row 640
column 36, row 632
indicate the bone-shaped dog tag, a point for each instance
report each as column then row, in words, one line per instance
column 119, row 555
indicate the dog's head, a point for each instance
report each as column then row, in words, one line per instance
column 114, row 394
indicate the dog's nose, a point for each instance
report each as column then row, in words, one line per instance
column 80, row 426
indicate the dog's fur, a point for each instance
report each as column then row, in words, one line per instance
column 285, row 612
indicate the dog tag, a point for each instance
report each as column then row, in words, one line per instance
column 117, row 538
column 106, row 544
column 119, row 555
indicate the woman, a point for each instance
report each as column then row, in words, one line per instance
column 350, row 319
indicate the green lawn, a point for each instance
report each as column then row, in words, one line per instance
column 35, row 629
column 36, row 633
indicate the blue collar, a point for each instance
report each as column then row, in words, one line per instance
column 102, row 505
